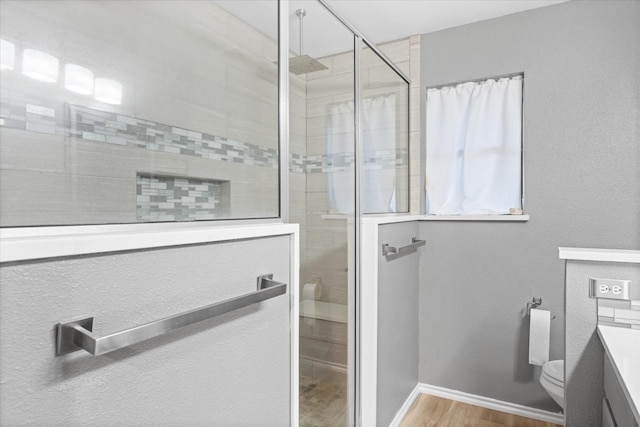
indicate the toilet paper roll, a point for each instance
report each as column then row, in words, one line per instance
column 311, row 291
column 539, row 333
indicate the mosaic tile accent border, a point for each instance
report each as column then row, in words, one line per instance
column 18, row 111
column 166, row 198
column 133, row 132
column 340, row 162
column 297, row 163
column 621, row 313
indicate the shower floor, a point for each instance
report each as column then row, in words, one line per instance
column 323, row 404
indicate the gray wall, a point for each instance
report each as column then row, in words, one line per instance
column 581, row 133
column 584, row 365
column 230, row 370
column 397, row 321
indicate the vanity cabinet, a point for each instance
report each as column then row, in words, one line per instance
column 616, row 411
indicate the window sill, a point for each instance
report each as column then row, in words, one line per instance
column 495, row 218
column 404, row 217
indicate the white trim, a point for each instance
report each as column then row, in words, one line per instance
column 395, row 218
column 52, row 242
column 489, row 403
column 369, row 323
column 404, row 410
column 604, row 255
column 283, row 109
column 352, row 337
column 497, row 218
column 294, row 312
column 389, row 218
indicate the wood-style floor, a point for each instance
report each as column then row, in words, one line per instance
column 431, row 411
column 323, row 404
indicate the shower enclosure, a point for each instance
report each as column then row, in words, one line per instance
column 125, row 113
column 348, row 151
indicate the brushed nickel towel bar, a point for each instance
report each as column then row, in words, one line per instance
column 390, row 250
column 77, row 334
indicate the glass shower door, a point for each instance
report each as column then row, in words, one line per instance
column 322, row 201
column 349, row 155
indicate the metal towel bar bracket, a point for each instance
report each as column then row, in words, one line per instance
column 535, row 303
column 77, row 335
column 390, row 250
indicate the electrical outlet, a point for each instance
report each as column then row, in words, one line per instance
column 610, row 288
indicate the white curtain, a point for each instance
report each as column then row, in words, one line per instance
column 474, row 133
column 379, row 138
column 340, row 146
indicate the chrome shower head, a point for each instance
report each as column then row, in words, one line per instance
column 303, row 64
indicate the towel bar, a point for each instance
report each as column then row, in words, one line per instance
column 77, row 334
column 390, row 250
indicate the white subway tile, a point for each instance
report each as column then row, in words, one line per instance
column 626, row 314
column 93, row 136
column 605, row 311
column 626, row 321
column 43, row 111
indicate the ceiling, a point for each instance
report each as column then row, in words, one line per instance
column 378, row 20
column 386, row 20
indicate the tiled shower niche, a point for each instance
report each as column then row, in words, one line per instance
column 170, row 198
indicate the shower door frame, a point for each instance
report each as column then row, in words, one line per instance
column 362, row 371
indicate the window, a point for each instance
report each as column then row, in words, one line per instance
column 474, row 148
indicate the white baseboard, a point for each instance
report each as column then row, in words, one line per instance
column 406, row 406
column 483, row 402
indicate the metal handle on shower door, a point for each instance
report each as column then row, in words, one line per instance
column 77, row 334
column 391, row 250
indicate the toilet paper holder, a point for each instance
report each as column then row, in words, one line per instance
column 535, row 303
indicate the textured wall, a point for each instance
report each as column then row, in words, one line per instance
column 581, row 133
column 230, row 370
column 398, row 287
column 584, row 364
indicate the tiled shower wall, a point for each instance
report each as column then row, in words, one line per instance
column 199, row 104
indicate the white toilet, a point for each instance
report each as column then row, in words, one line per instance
column 552, row 380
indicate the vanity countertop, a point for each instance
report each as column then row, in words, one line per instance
column 623, row 347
